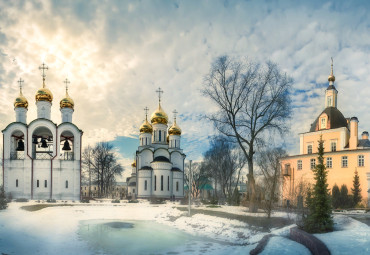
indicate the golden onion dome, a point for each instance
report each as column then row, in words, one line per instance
column 67, row 102
column 146, row 127
column 44, row 94
column 159, row 116
column 20, row 101
column 133, row 163
column 174, row 129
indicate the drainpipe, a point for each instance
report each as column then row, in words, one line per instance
column 31, row 166
column 81, row 162
column 51, row 164
column 3, row 164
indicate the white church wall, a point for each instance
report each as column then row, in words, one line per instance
column 144, row 175
column 41, row 173
column 177, row 160
column 145, row 157
column 161, row 152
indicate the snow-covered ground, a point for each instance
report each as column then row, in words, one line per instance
column 57, row 230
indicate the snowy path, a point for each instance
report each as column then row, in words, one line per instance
column 54, row 230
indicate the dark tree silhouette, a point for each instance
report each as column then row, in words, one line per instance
column 356, row 190
column 319, row 218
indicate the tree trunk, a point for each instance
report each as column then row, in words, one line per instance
column 251, row 186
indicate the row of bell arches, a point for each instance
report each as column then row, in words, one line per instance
column 42, row 143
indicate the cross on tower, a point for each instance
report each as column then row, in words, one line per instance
column 43, row 67
column 20, row 84
column 66, row 81
column 331, row 65
column 146, row 109
column 159, row 91
column 174, row 114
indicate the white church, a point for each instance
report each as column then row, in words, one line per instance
column 42, row 159
column 158, row 170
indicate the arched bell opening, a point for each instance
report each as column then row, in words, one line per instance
column 17, row 148
column 66, row 146
column 42, row 143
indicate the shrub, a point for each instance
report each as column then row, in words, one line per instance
column 116, row 201
column 21, row 200
column 156, row 201
column 3, row 201
column 51, row 201
column 84, row 200
column 133, row 201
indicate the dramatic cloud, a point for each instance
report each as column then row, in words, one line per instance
column 117, row 53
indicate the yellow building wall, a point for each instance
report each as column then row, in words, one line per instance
column 340, row 135
column 336, row 175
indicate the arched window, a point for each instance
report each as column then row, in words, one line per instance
column 66, row 184
column 16, row 183
column 17, row 145
column 37, row 183
column 42, row 143
column 161, row 182
column 168, row 183
column 155, row 182
column 66, row 145
column 160, row 135
column 46, row 184
column 145, row 185
column 177, row 186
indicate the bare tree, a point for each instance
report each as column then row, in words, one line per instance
column 224, row 163
column 87, row 170
column 199, row 176
column 103, row 165
column 251, row 100
column 269, row 164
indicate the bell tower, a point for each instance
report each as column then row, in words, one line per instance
column 331, row 93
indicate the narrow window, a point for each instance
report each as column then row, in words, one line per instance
column 177, row 186
column 46, row 184
column 299, row 164
column 160, row 135
column 161, row 182
column 333, row 146
column 16, row 183
column 309, row 149
column 66, row 184
column 154, row 135
column 37, row 183
column 330, row 101
column 146, row 140
column 344, row 161
column 85, row 188
column 94, row 188
column 168, row 183
column 145, row 185
column 85, row 194
column 329, row 162
column 313, row 163
column 361, row 160
column 175, row 143
column 133, row 191
column 155, row 182
column 323, row 123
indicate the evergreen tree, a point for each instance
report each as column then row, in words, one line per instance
column 3, row 201
column 319, row 218
column 335, row 196
column 345, row 199
column 356, row 190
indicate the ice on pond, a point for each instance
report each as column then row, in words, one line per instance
column 132, row 237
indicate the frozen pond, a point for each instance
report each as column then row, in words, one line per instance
column 140, row 237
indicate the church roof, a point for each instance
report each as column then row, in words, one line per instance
column 146, row 168
column 364, row 143
column 161, row 159
column 175, row 169
column 335, row 118
column 331, row 87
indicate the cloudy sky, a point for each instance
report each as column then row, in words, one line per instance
column 117, row 53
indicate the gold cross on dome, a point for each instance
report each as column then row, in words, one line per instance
column 43, row 67
column 174, row 114
column 146, row 109
column 66, row 82
column 159, row 91
column 20, row 83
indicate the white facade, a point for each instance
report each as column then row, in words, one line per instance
column 41, row 160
